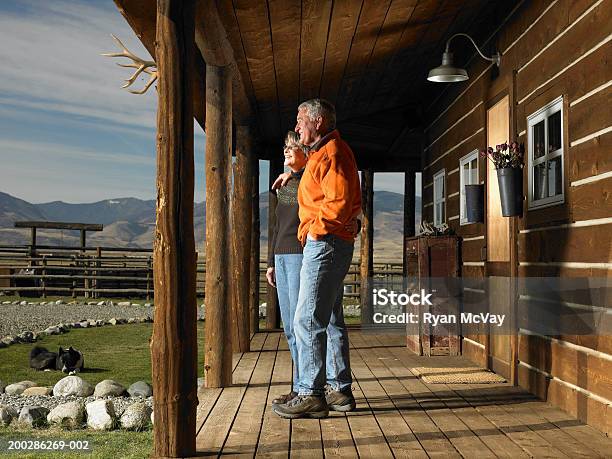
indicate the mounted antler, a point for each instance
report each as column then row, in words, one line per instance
column 139, row 64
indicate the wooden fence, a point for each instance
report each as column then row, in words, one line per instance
column 112, row 272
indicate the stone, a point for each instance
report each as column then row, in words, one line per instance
column 99, row 323
column 91, row 303
column 147, row 305
column 69, row 415
column 7, row 414
column 31, row 391
column 113, row 321
column 101, row 415
column 73, row 385
column 10, row 339
column 84, row 324
column 6, row 302
column 23, row 303
column 101, row 303
column 59, row 302
column 136, row 417
column 124, row 303
column 18, row 388
column 52, row 331
column 108, row 387
column 26, row 337
column 152, row 416
column 92, row 323
column 200, row 383
column 33, row 416
column 140, row 389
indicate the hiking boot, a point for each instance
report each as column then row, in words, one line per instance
column 284, row 398
column 302, row 406
column 339, row 401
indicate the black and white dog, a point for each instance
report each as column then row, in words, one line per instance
column 67, row 360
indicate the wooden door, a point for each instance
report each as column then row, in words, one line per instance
column 498, row 242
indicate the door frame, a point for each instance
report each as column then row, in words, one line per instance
column 491, row 268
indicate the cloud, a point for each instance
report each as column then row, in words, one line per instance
column 51, row 61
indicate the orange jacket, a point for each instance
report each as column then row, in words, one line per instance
column 329, row 195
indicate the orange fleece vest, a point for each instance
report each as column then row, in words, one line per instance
column 329, row 195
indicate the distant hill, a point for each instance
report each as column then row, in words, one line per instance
column 130, row 222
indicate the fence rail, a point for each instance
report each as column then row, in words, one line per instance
column 94, row 272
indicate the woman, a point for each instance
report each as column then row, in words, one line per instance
column 285, row 257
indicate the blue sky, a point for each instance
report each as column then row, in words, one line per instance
column 67, row 130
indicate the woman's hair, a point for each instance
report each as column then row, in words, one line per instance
column 292, row 139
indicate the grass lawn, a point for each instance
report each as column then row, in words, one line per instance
column 102, row 445
column 118, row 352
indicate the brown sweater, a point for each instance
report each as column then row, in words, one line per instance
column 284, row 238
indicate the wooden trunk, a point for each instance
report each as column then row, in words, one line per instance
column 429, row 260
column 272, row 309
column 366, row 267
column 218, row 353
column 241, row 240
column 254, row 261
column 174, row 330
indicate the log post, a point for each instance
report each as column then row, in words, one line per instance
column 174, row 330
column 218, row 352
column 242, row 209
column 367, row 245
column 254, row 261
column 409, row 214
column 272, row 309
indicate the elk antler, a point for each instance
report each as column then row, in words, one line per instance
column 139, row 64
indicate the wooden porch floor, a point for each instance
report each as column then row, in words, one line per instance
column 397, row 414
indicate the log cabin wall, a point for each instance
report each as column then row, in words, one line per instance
column 550, row 49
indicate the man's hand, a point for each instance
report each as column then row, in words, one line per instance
column 353, row 227
column 281, row 180
column 271, row 276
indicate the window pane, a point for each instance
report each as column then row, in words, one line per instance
column 539, row 147
column 474, row 172
column 539, row 181
column 554, row 176
column 554, row 131
column 466, row 174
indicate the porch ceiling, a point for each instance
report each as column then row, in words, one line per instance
column 368, row 57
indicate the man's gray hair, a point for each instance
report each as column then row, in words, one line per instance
column 323, row 108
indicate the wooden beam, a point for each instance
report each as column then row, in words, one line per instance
column 174, row 255
column 212, row 41
column 140, row 15
column 218, row 353
column 272, row 310
column 254, row 261
column 59, row 225
column 366, row 268
column 242, row 209
column 409, row 214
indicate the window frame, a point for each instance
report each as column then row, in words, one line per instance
column 467, row 159
column 543, row 114
column 440, row 175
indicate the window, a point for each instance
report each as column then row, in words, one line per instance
column 439, row 201
column 468, row 168
column 545, row 144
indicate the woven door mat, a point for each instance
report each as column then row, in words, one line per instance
column 454, row 375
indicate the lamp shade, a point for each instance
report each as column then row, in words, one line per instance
column 447, row 72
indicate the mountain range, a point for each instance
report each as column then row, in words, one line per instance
column 130, row 222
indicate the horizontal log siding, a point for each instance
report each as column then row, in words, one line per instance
column 555, row 47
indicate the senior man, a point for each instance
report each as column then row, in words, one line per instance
column 329, row 198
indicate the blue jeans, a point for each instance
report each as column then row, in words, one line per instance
column 320, row 331
column 287, row 272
